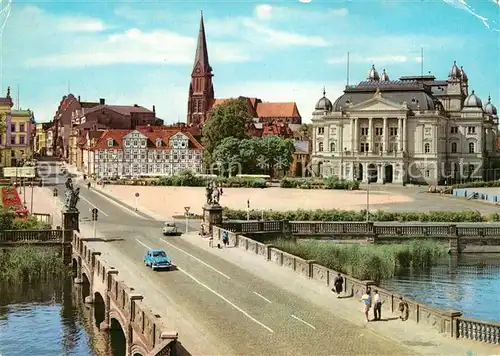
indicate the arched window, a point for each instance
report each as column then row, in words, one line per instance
column 332, row 146
column 471, row 147
column 427, row 148
column 320, row 147
column 453, row 147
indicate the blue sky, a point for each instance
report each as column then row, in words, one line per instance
column 142, row 52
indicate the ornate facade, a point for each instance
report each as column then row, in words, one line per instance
column 415, row 129
column 146, row 152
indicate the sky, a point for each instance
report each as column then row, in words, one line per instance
column 142, row 52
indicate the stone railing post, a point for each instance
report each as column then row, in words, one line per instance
column 268, row 251
column 454, row 239
column 310, row 265
column 286, row 230
column 449, row 323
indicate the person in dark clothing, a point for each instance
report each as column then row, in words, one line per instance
column 404, row 309
column 338, row 284
column 225, row 239
column 377, row 306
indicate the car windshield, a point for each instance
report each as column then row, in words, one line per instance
column 159, row 254
column 170, row 224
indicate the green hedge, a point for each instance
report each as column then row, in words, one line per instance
column 187, row 179
column 315, row 183
column 352, row 215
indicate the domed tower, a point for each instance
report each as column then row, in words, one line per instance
column 455, row 74
column 384, row 77
column 454, row 93
column 373, row 74
column 324, row 104
column 490, row 109
column 473, row 101
column 465, row 81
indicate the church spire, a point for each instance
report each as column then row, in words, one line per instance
column 201, row 58
column 201, row 89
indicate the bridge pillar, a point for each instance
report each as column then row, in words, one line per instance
column 212, row 216
column 70, row 220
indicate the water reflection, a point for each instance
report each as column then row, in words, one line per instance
column 469, row 283
column 52, row 316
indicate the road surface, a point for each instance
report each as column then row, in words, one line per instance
column 218, row 300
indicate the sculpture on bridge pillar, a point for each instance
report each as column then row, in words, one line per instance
column 70, row 213
column 72, row 196
column 212, row 211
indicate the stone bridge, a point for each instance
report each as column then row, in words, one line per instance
column 116, row 306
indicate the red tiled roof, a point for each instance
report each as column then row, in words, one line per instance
column 277, row 110
column 152, row 134
column 260, row 109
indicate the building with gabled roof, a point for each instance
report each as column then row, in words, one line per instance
column 147, row 151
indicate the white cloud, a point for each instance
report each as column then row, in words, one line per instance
column 136, row 47
column 263, row 12
column 283, row 38
column 387, row 59
column 77, row 24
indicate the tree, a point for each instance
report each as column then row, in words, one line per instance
column 306, row 130
column 227, row 155
column 277, row 153
column 229, row 119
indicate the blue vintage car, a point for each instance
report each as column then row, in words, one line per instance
column 157, row 259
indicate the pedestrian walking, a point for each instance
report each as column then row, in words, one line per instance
column 338, row 284
column 377, row 306
column 404, row 309
column 225, row 238
column 367, row 303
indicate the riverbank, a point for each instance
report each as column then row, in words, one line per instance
column 367, row 262
column 30, row 264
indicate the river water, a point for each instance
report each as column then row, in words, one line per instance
column 50, row 319
column 469, row 283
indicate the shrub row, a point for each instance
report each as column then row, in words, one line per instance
column 315, row 183
column 367, row 262
column 191, row 180
column 9, row 221
column 352, row 215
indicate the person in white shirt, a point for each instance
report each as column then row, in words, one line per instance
column 377, row 306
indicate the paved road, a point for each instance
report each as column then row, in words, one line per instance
column 246, row 314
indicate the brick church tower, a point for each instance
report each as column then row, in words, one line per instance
column 201, row 89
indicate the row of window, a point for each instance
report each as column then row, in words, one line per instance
column 471, row 130
column 143, row 157
column 148, row 169
column 14, row 140
column 22, row 127
column 393, row 147
column 393, row 131
column 176, row 143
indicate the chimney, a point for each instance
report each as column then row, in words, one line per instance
column 154, row 109
column 136, row 106
column 102, row 101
